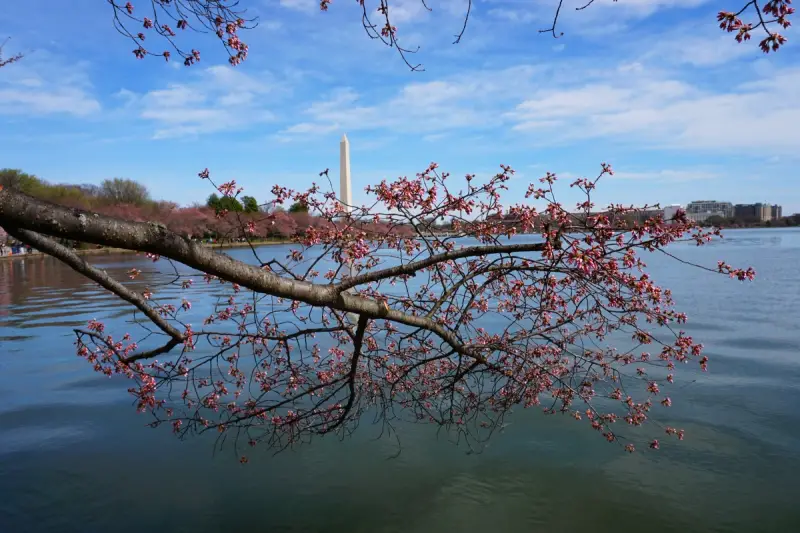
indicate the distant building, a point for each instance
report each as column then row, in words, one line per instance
column 744, row 211
column 701, row 210
column 670, row 211
column 764, row 212
column 777, row 212
column 759, row 212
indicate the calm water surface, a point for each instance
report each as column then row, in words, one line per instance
column 74, row 455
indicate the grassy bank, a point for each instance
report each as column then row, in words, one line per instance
column 111, row 251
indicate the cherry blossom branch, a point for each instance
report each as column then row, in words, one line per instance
column 418, row 349
column 225, row 20
column 780, row 9
column 79, row 265
column 358, row 341
column 128, row 359
column 19, row 209
column 411, row 268
column 218, row 16
column 7, row 61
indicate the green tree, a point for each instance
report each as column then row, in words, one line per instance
column 21, row 181
column 228, row 203
column 124, row 191
column 297, row 207
column 249, row 204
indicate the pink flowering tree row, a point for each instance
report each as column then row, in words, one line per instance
column 203, row 222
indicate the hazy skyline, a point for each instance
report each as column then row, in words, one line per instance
column 679, row 109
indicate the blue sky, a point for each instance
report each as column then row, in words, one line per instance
column 653, row 87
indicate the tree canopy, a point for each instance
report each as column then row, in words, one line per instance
column 124, row 191
column 224, row 203
column 249, row 204
column 298, row 207
column 455, row 330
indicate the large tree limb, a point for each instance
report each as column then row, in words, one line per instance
column 80, row 266
column 358, row 340
column 20, row 211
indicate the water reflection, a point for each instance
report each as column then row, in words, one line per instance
column 74, row 456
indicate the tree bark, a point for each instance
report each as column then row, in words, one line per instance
column 21, row 212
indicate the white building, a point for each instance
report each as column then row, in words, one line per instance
column 671, row 210
column 701, row 210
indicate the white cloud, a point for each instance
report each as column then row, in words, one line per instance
column 648, row 99
column 464, row 101
column 39, row 86
column 660, row 112
column 636, row 9
column 668, row 175
column 270, row 25
column 699, row 51
column 307, row 6
column 401, row 11
column 602, row 17
column 434, row 137
column 512, row 15
column 222, row 99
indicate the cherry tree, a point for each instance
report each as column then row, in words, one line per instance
column 163, row 22
column 8, row 60
column 419, row 326
column 374, row 310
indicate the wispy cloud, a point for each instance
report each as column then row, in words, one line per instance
column 601, row 17
column 684, row 48
column 512, row 15
column 664, row 112
column 641, row 102
column 464, row 101
column 634, row 9
column 662, row 176
column 41, row 86
column 669, row 175
column 306, row 6
column 220, row 99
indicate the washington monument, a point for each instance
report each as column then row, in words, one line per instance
column 345, row 193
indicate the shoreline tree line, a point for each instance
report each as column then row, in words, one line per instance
column 220, row 218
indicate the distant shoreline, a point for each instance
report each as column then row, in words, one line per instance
column 111, row 251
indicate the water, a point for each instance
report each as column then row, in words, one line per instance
column 74, row 455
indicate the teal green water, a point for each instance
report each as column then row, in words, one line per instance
column 75, row 457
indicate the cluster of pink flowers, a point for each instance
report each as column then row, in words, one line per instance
column 781, row 10
column 222, row 16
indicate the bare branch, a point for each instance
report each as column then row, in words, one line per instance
column 80, row 266
column 411, row 268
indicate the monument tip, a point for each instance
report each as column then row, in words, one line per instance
column 344, row 137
